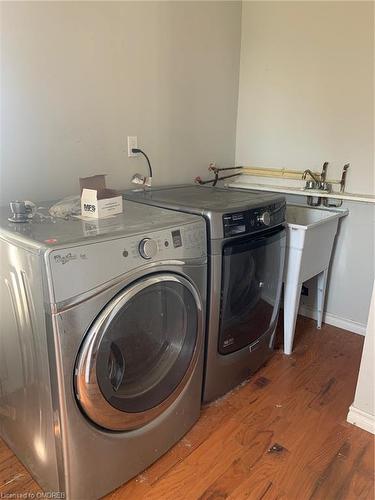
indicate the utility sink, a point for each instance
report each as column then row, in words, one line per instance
column 301, row 215
column 310, row 236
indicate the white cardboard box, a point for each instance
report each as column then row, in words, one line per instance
column 96, row 200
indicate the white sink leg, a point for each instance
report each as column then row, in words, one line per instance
column 321, row 282
column 292, row 295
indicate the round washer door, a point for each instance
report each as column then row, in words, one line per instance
column 140, row 352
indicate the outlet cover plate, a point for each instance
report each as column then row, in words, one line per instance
column 132, row 143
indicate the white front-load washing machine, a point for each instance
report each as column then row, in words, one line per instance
column 101, row 345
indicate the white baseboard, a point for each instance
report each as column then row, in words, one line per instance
column 361, row 419
column 332, row 319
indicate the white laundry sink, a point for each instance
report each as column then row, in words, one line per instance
column 302, row 215
column 310, row 236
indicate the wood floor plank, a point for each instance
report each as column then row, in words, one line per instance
column 280, row 435
column 335, row 480
column 206, row 463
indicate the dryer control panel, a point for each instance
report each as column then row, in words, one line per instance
column 78, row 269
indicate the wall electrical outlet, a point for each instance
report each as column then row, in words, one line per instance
column 132, row 143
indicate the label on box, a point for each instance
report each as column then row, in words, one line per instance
column 95, row 208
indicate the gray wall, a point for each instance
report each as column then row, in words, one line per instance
column 306, row 95
column 307, row 88
column 79, row 77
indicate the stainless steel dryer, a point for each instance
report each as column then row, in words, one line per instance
column 246, row 246
column 101, row 345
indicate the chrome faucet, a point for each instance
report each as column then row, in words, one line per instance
column 314, row 184
column 313, row 176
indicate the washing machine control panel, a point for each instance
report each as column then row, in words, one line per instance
column 77, row 269
column 256, row 219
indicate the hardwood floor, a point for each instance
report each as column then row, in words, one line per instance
column 281, row 435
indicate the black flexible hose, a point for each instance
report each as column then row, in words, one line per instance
column 136, row 150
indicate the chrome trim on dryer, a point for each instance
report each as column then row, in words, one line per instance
column 88, row 392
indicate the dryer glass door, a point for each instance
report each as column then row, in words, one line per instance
column 140, row 352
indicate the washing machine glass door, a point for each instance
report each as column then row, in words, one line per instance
column 140, row 352
column 252, row 272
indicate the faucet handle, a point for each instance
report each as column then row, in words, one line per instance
column 323, row 175
column 343, row 177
